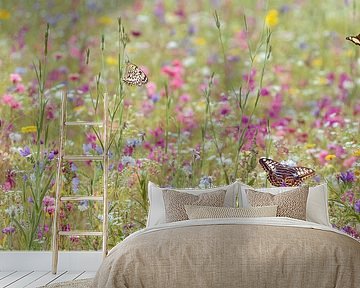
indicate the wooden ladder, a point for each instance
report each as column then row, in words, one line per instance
column 58, row 198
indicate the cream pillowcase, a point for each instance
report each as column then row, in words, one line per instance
column 291, row 203
column 175, row 203
column 156, row 213
column 316, row 206
column 202, row 212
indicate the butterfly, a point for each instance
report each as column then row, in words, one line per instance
column 134, row 75
column 354, row 39
column 284, row 175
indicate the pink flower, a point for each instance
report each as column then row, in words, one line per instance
column 48, row 201
column 74, row 76
column 265, row 92
column 20, row 88
column 147, row 107
column 321, row 156
column 349, row 162
column 91, row 138
column 9, row 100
column 348, row 197
column 184, row 98
column 250, row 80
column 49, row 209
column 187, row 118
column 151, row 88
column 241, row 39
column 225, row 109
column 15, row 78
column 176, row 83
column 276, row 106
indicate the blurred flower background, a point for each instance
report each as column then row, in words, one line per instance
column 229, row 82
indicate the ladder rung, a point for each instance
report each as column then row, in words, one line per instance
column 80, row 233
column 80, row 198
column 83, row 157
column 83, row 123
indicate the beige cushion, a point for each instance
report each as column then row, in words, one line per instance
column 175, row 201
column 156, row 214
column 201, row 212
column 290, row 204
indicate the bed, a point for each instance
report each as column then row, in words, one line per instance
column 233, row 252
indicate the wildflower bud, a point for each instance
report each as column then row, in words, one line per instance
column 87, row 56
column 102, row 42
column 119, row 24
column 217, row 21
column 46, row 38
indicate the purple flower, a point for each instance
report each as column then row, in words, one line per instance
column 357, row 206
column 25, row 152
column 48, row 201
column 87, row 148
column 347, row 177
column 8, row 230
column 51, row 155
column 98, row 149
column 75, row 184
column 351, row 231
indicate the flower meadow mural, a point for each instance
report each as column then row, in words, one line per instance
column 229, row 82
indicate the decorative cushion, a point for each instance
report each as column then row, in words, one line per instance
column 175, row 202
column 317, row 202
column 201, row 212
column 156, row 213
column 290, row 204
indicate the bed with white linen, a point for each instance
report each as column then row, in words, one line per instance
column 234, row 252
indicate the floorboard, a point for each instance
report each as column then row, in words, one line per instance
column 46, row 279
column 68, row 276
column 35, row 279
column 5, row 274
column 87, row 274
column 13, row 277
column 28, row 279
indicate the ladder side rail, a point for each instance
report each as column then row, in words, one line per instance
column 55, row 239
column 105, row 177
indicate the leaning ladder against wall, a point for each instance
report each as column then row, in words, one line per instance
column 62, row 157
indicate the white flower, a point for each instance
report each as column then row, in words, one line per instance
column 15, row 137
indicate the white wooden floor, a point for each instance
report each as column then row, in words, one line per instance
column 32, row 279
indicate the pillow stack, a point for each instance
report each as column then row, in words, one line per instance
column 303, row 203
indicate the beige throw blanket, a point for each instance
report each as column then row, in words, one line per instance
column 260, row 252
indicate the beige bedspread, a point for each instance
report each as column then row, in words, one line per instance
column 233, row 255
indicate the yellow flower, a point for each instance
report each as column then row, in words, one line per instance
column 272, row 18
column 4, row 14
column 357, row 153
column 310, row 146
column 350, row 53
column 28, row 129
column 106, row 20
column 111, row 60
column 317, row 62
column 330, row 157
column 357, row 172
column 79, row 109
column 200, row 41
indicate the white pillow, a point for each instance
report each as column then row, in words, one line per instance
column 317, row 202
column 156, row 213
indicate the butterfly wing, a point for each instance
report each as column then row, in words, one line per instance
column 284, row 175
column 354, row 39
column 134, row 75
column 270, row 166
